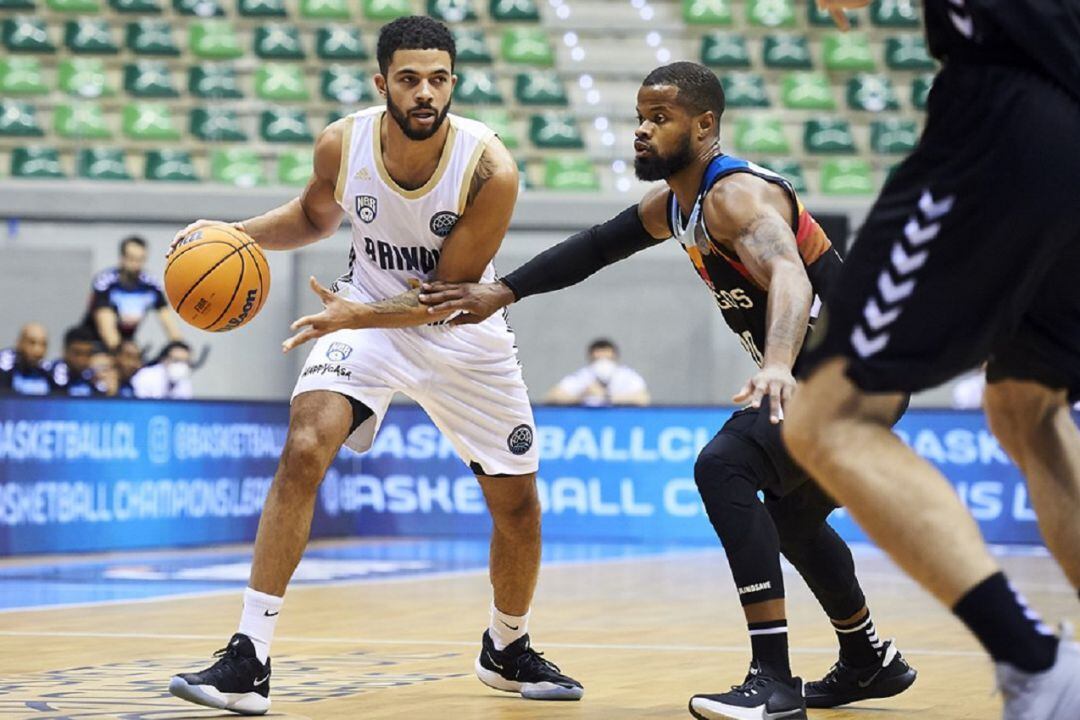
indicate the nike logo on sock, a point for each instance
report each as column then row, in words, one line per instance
column 260, row 681
column 512, row 627
column 267, row 613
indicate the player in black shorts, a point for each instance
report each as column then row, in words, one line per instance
column 971, row 253
column 764, row 258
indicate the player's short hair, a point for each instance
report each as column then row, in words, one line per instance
column 602, row 344
column 132, row 240
column 79, row 333
column 415, row 32
column 699, row 88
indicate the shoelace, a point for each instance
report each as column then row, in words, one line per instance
column 831, row 676
column 751, row 684
column 532, row 657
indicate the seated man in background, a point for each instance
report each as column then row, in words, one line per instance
column 72, row 375
column 105, row 373
column 604, row 381
column 168, row 377
column 22, row 368
column 122, row 296
column 129, row 361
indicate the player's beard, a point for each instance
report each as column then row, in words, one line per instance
column 402, row 119
column 661, row 167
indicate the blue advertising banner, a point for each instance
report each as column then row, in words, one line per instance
column 87, row 475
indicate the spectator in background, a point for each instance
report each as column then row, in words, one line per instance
column 122, row 296
column 129, row 361
column 22, row 368
column 169, row 376
column 72, row 375
column 105, row 373
column 604, row 381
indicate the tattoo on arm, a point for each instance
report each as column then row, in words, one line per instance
column 764, row 238
column 405, row 302
column 485, row 168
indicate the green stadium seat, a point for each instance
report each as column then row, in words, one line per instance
column 281, row 82
column 451, row 11
column 472, row 46
column 527, row 46
column 133, row 7
column 149, row 79
column 340, row 42
column 498, row 119
column 74, row 6
column 214, row 40
column 920, row 90
column 263, row 8
column 570, row 173
column 9, row 5
column 386, row 9
column 807, row 91
column 216, row 124
column 149, row 121
column 294, row 167
column 198, row 8
column 787, row 51
column 21, row 76
column 707, row 12
column 540, row 88
column 477, row 87
column 334, row 115
column 828, row 136
column 871, row 93
column 285, row 125
column 725, row 50
column 83, row 77
column 214, row 80
column 907, row 52
column 81, row 120
column 36, row 162
column 790, row 169
column 237, row 166
column 745, row 90
column 893, row 136
column 823, row 19
column 771, row 13
column 895, row 13
column 345, row 85
column 19, row 119
column 102, row 164
column 514, row 11
column 90, row 37
column 151, row 37
column 759, row 134
column 325, row 10
column 847, row 52
column 278, row 42
column 555, row 130
column 523, row 176
column 27, row 35
column 170, row 166
column 846, row 176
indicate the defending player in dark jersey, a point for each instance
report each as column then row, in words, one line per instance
column 764, row 258
column 970, row 254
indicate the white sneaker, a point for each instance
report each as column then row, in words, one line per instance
column 1053, row 694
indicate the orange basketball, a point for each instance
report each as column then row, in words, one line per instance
column 217, row 278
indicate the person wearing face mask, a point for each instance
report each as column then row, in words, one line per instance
column 604, row 381
column 168, row 377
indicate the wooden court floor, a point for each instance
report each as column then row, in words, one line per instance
column 642, row 635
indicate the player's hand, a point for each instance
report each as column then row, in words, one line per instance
column 476, row 301
column 337, row 314
column 773, row 381
column 196, row 226
column 836, row 9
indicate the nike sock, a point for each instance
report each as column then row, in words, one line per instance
column 505, row 629
column 859, row 643
column 1009, row 630
column 769, row 643
column 258, row 620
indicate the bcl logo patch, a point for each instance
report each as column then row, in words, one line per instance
column 366, row 207
column 443, row 222
column 520, row 440
column 338, row 351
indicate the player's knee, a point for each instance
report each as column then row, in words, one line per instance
column 305, row 457
column 518, row 518
column 1020, row 412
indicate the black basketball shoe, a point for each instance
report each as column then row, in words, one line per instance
column 760, row 697
column 236, row 682
column 845, row 684
column 520, row 669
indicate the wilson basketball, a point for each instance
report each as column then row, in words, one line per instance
column 217, row 278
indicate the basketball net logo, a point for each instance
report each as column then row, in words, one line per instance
column 520, row 440
column 366, row 207
column 338, row 351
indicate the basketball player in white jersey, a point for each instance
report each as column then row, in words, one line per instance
column 429, row 195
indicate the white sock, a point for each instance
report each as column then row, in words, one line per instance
column 505, row 629
column 258, row 620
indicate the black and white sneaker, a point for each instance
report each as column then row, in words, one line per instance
column 845, row 684
column 760, row 697
column 236, row 682
column 520, row 669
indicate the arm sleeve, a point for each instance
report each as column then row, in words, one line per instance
column 581, row 255
column 100, row 299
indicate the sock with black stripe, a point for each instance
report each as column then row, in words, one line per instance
column 859, row 643
column 1009, row 630
column 769, row 643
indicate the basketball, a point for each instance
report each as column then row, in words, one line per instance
column 217, row 278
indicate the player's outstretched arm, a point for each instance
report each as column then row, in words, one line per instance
column 562, row 265
column 305, row 219
column 751, row 216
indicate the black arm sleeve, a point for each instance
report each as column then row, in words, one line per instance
column 581, row 255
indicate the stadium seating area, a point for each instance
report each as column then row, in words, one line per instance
column 234, row 91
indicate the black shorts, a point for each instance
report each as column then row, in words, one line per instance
column 972, row 251
column 776, row 472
